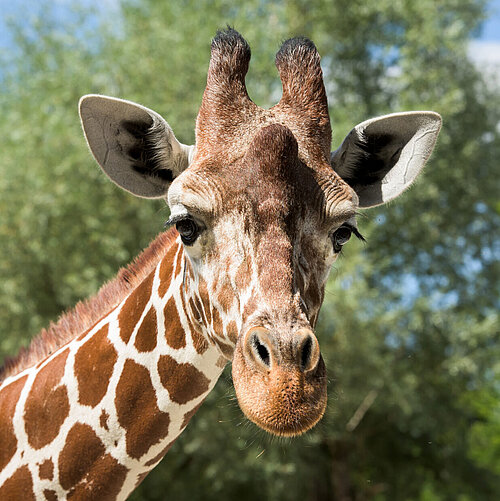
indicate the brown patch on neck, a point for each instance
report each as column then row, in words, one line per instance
column 174, row 333
column 94, row 363
column 46, row 470
column 183, row 381
column 217, row 324
column 134, row 306
column 199, row 341
column 147, row 334
column 18, row 486
column 81, row 443
column 137, row 410
column 188, row 415
column 90, row 311
column 206, row 306
column 86, row 470
column 166, row 269
column 104, row 481
column 103, row 420
column 47, row 404
column 232, row 331
column 50, row 495
column 8, row 400
column 140, row 478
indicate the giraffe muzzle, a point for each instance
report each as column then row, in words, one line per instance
column 280, row 380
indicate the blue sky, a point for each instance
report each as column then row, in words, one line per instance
column 491, row 29
column 485, row 50
column 27, row 9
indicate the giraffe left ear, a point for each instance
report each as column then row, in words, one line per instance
column 381, row 157
column 133, row 145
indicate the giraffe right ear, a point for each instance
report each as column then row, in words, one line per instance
column 134, row 146
column 381, row 157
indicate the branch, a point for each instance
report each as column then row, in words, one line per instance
column 361, row 410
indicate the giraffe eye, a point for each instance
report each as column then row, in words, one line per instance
column 340, row 237
column 188, row 230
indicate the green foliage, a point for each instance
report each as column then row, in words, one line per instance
column 409, row 328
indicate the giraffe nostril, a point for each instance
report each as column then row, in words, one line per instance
column 308, row 352
column 261, row 351
column 305, row 357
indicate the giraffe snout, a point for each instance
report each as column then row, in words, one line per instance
column 280, row 379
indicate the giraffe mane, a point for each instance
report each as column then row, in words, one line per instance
column 88, row 312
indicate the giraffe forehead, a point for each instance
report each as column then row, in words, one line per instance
column 270, row 177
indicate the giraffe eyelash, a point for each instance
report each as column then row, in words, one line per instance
column 175, row 219
column 356, row 232
column 339, row 237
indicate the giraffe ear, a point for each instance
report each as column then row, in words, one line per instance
column 381, row 157
column 133, row 145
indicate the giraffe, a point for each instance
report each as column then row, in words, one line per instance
column 261, row 209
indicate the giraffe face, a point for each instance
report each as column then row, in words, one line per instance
column 262, row 232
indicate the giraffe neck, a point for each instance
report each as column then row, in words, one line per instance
column 98, row 414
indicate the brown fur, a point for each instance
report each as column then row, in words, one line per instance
column 18, row 486
column 47, row 405
column 87, row 313
column 135, row 391
column 94, row 363
column 8, row 400
column 172, row 375
column 46, row 470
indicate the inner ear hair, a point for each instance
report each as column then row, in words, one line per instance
column 150, row 153
column 376, row 154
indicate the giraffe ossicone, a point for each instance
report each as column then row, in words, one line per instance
column 262, row 209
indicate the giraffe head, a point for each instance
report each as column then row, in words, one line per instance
column 263, row 209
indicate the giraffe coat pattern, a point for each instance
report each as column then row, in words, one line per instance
column 92, row 390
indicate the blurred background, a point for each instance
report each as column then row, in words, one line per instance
column 409, row 328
